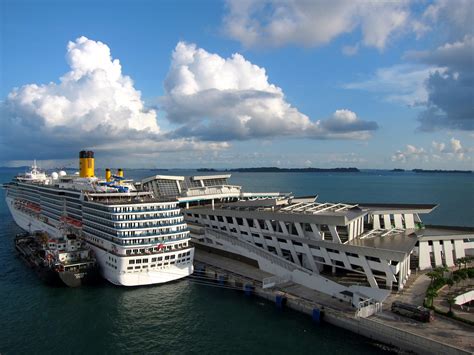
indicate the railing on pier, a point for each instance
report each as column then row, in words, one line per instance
column 275, row 259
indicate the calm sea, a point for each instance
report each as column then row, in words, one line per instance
column 187, row 317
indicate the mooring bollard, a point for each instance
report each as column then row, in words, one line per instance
column 221, row 279
column 248, row 289
column 280, row 301
column 316, row 315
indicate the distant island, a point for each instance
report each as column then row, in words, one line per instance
column 398, row 170
column 294, row 170
column 442, row 171
column 206, row 170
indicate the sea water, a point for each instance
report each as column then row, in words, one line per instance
column 192, row 318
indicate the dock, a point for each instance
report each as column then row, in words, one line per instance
column 442, row 336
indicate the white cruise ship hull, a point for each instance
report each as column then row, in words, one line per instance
column 118, row 277
column 29, row 224
column 122, row 277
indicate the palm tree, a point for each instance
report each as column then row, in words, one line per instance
column 450, row 283
column 451, row 301
column 441, row 270
column 431, row 294
column 456, row 278
column 458, row 263
column 432, row 275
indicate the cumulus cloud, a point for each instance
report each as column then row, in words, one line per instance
column 402, row 83
column 313, row 23
column 440, row 151
column 453, row 150
column 451, row 92
column 442, row 80
column 92, row 106
column 215, row 98
column 411, row 152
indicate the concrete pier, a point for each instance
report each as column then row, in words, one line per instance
column 442, row 336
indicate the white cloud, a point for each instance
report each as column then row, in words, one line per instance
column 92, row 106
column 313, row 23
column 440, row 151
column 93, row 93
column 410, row 153
column 402, row 83
column 456, row 15
column 450, row 94
column 215, row 98
column 454, row 150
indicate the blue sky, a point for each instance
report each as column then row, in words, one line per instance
column 230, row 84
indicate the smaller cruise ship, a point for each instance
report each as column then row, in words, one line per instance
column 137, row 238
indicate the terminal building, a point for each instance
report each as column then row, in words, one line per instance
column 358, row 250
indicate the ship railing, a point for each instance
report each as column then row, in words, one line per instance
column 149, row 253
column 151, row 244
column 86, row 226
column 151, row 226
column 107, row 217
column 109, row 211
column 124, row 243
column 155, row 234
column 277, row 260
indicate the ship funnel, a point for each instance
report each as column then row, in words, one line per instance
column 86, row 163
column 108, row 175
column 120, row 173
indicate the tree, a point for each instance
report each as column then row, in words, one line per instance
column 441, row 270
column 433, row 275
column 431, row 294
column 451, row 301
column 456, row 278
column 450, row 282
column 458, row 263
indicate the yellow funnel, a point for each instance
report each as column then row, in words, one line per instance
column 86, row 164
column 108, row 175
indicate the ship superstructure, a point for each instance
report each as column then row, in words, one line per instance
column 335, row 248
column 137, row 238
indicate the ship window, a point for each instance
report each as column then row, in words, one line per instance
column 167, row 257
column 138, row 261
column 153, row 259
column 130, row 268
column 137, row 267
column 145, row 260
column 131, row 261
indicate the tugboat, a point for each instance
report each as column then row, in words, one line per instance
column 63, row 261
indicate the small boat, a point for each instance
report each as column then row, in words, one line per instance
column 62, row 261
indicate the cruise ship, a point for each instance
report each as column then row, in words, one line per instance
column 138, row 238
column 357, row 252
